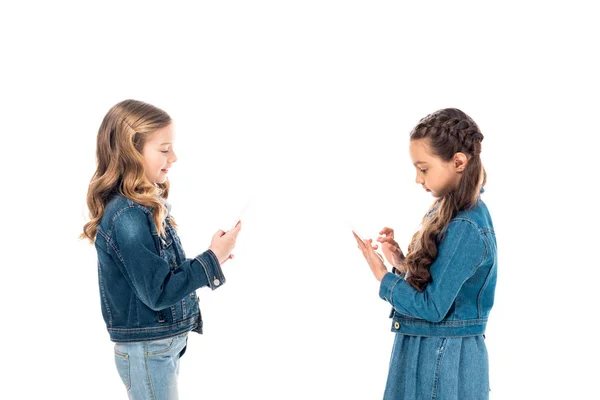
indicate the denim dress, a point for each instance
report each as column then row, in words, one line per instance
column 439, row 350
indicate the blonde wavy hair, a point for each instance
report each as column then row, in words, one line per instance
column 125, row 129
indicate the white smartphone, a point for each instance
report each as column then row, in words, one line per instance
column 357, row 230
column 241, row 214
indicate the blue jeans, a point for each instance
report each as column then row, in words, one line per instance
column 149, row 369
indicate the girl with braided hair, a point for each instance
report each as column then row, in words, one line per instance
column 442, row 291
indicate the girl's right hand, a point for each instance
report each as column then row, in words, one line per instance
column 222, row 243
column 391, row 249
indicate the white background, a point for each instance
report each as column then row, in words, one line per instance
column 302, row 109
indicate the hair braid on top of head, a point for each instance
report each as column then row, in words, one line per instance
column 448, row 131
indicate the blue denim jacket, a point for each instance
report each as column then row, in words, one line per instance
column 459, row 299
column 147, row 285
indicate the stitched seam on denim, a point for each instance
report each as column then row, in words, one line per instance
column 103, row 295
column 117, row 215
column 135, row 338
column 103, row 234
column 484, row 286
column 148, row 371
column 476, row 265
column 173, row 314
column 121, row 354
column 153, row 328
column 442, row 351
column 132, row 204
column 405, row 316
column 126, row 358
column 392, row 291
column 445, row 335
column 466, row 220
column 155, row 353
column 479, row 264
column 111, row 243
column 210, row 283
column 476, row 330
column 218, row 270
column 116, row 252
column 101, row 282
column 418, row 322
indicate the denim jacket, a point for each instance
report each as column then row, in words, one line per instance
column 458, row 300
column 147, row 285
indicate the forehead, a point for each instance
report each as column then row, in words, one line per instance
column 419, row 151
column 163, row 135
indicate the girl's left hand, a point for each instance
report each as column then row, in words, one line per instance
column 375, row 260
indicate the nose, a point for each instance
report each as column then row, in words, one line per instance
column 419, row 179
column 173, row 157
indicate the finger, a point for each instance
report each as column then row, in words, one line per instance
column 387, row 231
column 370, row 249
column 383, row 239
column 219, row 233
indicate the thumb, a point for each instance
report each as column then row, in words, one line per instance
column 218, row 234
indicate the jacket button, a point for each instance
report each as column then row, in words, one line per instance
column 216, row 282
column 397, row 325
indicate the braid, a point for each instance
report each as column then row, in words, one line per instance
column 448, row 131
column 455, row 126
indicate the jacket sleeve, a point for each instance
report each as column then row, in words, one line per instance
column 150, row 276
column 459, row 255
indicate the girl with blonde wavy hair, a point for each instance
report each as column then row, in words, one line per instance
column 147, row 284
column 442, row 291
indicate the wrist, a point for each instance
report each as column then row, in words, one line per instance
column 217, row 254
column 400, row 265
column 380, row 274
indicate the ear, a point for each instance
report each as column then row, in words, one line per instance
column 460, row 161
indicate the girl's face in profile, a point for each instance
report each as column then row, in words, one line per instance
column 159, row 155
column 435, row 175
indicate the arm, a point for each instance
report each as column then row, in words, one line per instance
column 149, row 275
column 459, row 254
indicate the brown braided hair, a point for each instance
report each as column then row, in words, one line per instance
column 447, row 131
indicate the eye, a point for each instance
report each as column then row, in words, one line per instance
column 422, row 170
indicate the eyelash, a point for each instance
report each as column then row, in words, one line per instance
column 423, row 170
column 164, row 151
